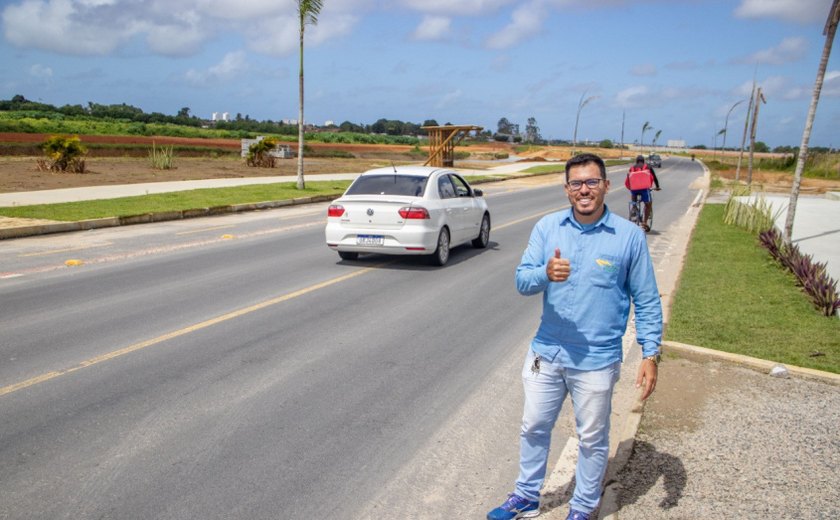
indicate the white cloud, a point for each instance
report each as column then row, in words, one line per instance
column 99, row 27
column 233, row 65
column 456, row 8
column 449, row 99
column 59, row 26
column 278, row 36
column 802, row 11
column 40, row 71
column 433, row 28
column 526, row 22
column 789, row 50
column 831, row 84
column 644, row 69
column 632, row 97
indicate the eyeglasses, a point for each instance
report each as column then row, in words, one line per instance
column 590, row 183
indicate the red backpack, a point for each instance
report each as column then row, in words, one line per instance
column 640, row 178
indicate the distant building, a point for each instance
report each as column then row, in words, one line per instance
column 676, row 143
column 216, row 116
column 329, row 122
column 289, row 121
column 225, row 116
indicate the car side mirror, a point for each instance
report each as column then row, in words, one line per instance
column 477, row 192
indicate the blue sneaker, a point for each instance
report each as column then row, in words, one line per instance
column 574, row 514
column 515, row 507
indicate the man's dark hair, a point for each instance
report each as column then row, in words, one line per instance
column 583, row 159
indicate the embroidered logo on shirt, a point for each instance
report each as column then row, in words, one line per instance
column 606, row 265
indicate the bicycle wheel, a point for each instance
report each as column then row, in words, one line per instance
column 634, row 213
column 649, row 222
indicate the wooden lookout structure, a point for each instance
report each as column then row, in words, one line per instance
column 442, row 141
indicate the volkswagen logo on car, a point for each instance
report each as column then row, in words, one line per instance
column 370, row 212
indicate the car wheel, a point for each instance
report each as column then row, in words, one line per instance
column 483, row 238
column 441, row 254
column 346, row 255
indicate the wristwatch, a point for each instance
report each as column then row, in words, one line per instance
column 655, row 358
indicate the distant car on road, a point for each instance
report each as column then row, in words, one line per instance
column 654, row 160
column 407, row 210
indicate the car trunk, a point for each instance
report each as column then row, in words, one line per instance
column 361, row 212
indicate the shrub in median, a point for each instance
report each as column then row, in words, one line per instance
column 812, row 276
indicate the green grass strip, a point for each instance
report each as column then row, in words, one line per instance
column 733, row 297
column 174, row 201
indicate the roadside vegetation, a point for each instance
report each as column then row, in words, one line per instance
column 63, row 154
column 186, row 200
column 174, row 201
column 161, row 158
column 735, row 298
column 818, row 165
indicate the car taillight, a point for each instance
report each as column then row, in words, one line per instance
column 335, row 210
column 414, row 213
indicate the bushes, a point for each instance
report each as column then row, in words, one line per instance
column 811, row 276
column 259, row 153
column 161, row 159
column 63, row 153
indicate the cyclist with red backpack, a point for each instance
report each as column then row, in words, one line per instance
column 639, row 181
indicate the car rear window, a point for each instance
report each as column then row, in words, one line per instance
column 410, row 185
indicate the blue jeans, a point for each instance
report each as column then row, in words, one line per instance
column 545, row 391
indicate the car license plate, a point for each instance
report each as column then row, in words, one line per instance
column 370, row 240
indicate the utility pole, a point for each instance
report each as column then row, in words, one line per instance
column 746, row 127
column 829, row 32
column 759, row 99
column 622, row 131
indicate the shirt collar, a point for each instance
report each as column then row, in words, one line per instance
column 606, row 219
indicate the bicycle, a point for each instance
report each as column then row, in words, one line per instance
column 637, row 212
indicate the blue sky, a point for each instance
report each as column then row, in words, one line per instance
column 678, row 64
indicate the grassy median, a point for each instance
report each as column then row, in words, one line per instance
column 174, row 201
column 733, row 297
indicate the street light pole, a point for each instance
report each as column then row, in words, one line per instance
column 582, row 103
column 726, row 123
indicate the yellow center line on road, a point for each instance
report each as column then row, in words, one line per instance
column 186, row 330
column 202, row 230
column 529, row 217
column 65, row 250
column 214, row 321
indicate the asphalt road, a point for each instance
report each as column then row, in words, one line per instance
column 234, row 367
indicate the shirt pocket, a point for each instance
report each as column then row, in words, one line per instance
column 605, row 271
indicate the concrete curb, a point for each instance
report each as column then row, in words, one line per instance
column 84, row 225
column 761, row 365
column 621, row 453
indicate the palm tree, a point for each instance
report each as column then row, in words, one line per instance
column 645, row 128
column 656, row 138
column 308, row 11
column 830, row 30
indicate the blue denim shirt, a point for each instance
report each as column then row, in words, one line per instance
column 585, row 317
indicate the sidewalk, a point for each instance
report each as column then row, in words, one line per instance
column 721, row 438
column 816, row 226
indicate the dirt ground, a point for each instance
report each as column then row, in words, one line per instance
column 780, row 182
column 20, row 173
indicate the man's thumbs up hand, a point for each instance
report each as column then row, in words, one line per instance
column 558, row 269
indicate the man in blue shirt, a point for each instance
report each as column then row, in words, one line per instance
column 589, row 264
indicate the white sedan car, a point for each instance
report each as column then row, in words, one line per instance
column 407, row 210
